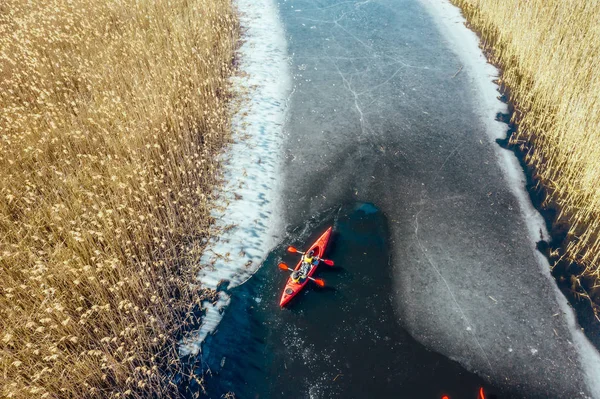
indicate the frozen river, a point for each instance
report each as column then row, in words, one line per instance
column 392, row 104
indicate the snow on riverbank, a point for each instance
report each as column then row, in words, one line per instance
column 248, row 215
column 465, row 45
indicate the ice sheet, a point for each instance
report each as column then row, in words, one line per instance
column 248, row 213
column 465, row 44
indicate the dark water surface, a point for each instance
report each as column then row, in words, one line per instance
column 341, row 341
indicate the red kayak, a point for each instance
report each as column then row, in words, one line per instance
column 292, row 288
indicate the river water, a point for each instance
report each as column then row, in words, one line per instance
column 341, row 341
column 393, row 105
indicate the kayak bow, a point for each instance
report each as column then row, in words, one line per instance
column 292, row 288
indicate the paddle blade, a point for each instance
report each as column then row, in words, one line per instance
column 320, row 282
column 292, row 250
column 481, row 394
column 328, row 262
column 283, row 266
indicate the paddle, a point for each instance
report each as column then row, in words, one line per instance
column 294, row 250
column 319, row 281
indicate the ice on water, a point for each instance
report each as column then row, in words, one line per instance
column 248, row 215
column 465, row 45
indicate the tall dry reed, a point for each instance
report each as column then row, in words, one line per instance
column 111, row 113
column 549, row 51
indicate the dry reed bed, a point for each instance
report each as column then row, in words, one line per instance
column 548, row 50
column 111, row 115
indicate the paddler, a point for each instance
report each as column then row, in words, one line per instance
column 298, row 276
column 310, row 258
column 308, row 261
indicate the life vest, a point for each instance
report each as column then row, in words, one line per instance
column 309, row 259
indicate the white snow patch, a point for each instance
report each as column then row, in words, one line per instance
column 210, row 321
column 465, row 45
column 248, row 213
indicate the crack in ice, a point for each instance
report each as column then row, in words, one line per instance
column 437, row 270
column 356, row 5
column 348, row 86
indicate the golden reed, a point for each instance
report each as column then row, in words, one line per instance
column 111, row 116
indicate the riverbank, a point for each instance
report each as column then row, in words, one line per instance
column 248, row 205
column 113, row 117
column 547, row 53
